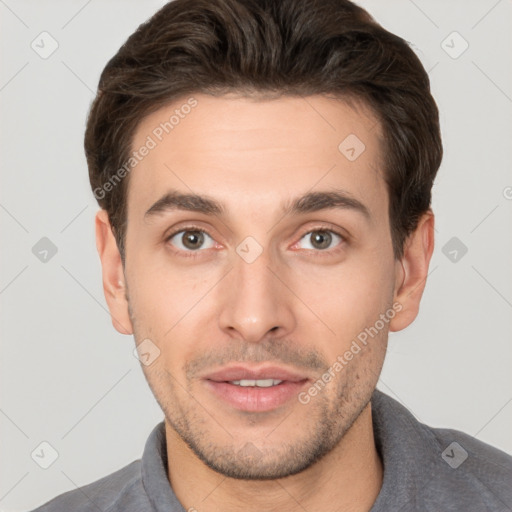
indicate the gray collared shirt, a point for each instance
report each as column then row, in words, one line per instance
column 425, row 470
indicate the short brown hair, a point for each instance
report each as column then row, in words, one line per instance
column 276, row 47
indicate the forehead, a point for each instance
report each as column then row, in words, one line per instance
column 242, row 149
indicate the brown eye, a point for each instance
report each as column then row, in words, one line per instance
column 321, row 239
column 190, row 240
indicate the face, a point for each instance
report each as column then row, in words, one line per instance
column 258, row 253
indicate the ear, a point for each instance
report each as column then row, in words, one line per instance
column 412, row 271
column 114, row 286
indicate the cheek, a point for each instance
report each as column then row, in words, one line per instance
column 349, row 301
column 168, row 306
column 352, row 293
column 153, row 298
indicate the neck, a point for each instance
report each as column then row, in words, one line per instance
column 348, row 478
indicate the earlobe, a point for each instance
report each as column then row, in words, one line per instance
column 113, row 274
column 412, row 271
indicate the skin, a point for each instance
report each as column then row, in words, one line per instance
column 296, row 305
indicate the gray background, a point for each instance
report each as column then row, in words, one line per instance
column 69, row 379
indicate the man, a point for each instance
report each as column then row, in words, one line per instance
column 264, row 171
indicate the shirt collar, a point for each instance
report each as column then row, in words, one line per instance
column 154, row 473
column 407, row 449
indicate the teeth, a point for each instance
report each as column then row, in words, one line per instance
column 260, row 383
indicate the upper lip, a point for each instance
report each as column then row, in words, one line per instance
column 240, row 372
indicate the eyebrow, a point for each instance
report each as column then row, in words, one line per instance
column 307, row 203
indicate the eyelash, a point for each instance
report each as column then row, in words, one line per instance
column 193, row 254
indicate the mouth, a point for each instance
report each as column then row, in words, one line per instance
column 255, row 389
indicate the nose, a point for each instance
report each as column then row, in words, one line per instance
column 255, row 300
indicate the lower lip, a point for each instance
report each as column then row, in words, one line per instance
column 255, row 399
